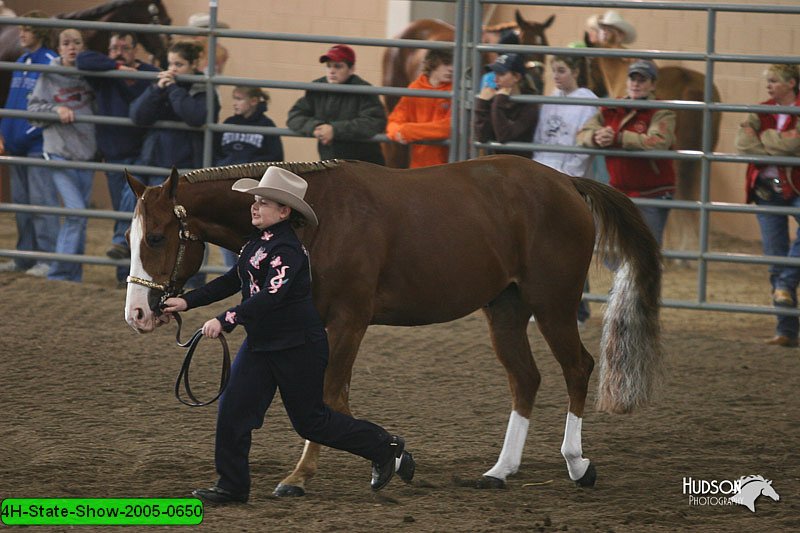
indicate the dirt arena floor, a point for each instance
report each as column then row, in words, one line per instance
column 88, row 411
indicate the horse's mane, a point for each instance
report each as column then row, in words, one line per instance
column 95, row 12
column 747, row 479
column 249, row 170
column 500, row 26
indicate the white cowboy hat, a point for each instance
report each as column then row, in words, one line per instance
column 615, row 20
column 282, row 186
column 203, row 20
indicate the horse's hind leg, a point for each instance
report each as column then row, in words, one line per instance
column 344, row 337
column 559, row 327
column 508, row 321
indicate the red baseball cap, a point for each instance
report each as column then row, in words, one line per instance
column 339, row 52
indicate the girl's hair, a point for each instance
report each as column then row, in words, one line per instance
column 65, row 30
column 188, row 50
column 787, row 73
column 253, row 92
column 43, row 34
column 434, row 58
column 576, row 64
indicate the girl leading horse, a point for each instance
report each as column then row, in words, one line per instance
column 409, row 247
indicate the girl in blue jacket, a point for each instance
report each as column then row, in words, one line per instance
column 173, row 100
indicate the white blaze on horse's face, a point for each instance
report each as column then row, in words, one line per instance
column 137, row 309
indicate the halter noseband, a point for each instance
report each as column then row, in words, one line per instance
column 169, row 289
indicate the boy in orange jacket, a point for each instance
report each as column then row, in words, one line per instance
column 420, row 118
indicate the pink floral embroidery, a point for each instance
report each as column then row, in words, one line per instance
column 267, row 236
column 278, row 281
column 254, row 288
column 275, row 263
column 230, row 317
column 259, row 256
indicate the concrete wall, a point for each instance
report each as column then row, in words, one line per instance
column 739, row 83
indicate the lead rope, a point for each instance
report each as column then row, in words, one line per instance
column 183, row 375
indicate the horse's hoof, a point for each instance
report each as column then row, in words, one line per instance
column 588, row 478
column 284, row 491
column 489, row 482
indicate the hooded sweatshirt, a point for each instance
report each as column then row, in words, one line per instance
column 74, row 141
column 245, row 147
column 419, row 118
column 20, row 137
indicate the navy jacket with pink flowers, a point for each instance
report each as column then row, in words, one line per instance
column 274, row 277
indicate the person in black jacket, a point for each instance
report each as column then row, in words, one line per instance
column 286, row 346
column 249, row 106
column 499, row 119
column 342, row 123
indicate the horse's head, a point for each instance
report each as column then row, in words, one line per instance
column 165, row 251
column 532, row 33
column 153, row 12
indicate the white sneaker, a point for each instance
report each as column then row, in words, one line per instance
column 39, row 270
column 9, row 266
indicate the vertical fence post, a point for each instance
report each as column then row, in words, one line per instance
column 458, row 74
column 211, row 70
column 705, row 163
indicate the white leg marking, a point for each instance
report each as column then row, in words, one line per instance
column 511, row 454
column 571, row 448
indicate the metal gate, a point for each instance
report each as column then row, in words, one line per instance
column 467, row 66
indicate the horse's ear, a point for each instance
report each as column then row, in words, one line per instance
column 136, row 186
column 548, row 22
column 521, row 22
column 173, row 180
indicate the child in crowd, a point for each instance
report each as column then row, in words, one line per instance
column 499, row 119
column 249, row 106
column 30, row 185
column 417, row 118
column 68, row 95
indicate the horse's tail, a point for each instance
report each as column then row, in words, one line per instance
column 631, row 354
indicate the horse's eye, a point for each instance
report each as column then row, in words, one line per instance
column 155, row 239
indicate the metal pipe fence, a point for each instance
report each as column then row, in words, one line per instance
column 467, row 66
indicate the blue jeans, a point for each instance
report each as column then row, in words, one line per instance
column 656, row 218
column 775, row 241
column 117, row 185
column 75, row 188
column 35, row 232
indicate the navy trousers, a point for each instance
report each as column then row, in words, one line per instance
column 298, row 372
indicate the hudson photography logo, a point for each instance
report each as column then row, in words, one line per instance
column 743, row 491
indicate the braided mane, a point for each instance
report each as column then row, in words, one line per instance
column 250, row 170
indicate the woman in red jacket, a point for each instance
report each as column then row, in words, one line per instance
column 773, row 185
column 637, row 129
column 417, row 118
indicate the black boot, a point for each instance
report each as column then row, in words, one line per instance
column 382, row 473
column 218, row 495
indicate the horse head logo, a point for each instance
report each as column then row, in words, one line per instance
column 750, row 488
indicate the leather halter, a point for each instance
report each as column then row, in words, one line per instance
column 170, row 289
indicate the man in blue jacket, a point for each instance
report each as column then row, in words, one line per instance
column 30, row 185
column 120, row 145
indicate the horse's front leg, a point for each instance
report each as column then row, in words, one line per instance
column 344, row 337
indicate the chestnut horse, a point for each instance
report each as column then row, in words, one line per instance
column 129, row 11
column 502, row 233
column 401, row 66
